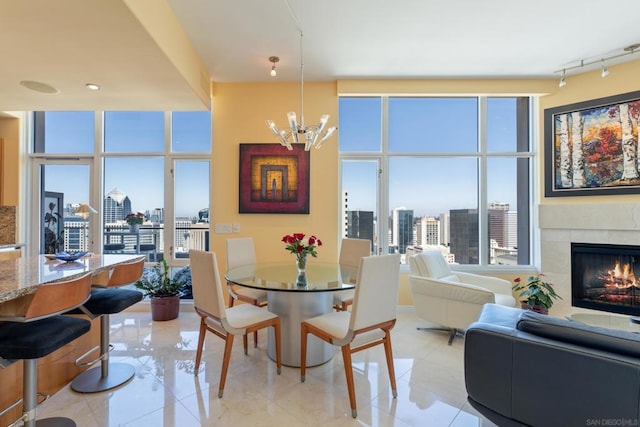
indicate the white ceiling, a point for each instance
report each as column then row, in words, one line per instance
column 68, row 43
column 346, row 39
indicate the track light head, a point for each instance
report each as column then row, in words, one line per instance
column 563, row 79
column 604, row 72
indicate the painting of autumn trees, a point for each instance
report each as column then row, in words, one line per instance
column 597, row 148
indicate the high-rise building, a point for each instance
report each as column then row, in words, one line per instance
column 464, row 235
column 116, row 206
column 498, row 223
column 156, row 216
column 512, row 229
column 360, row 225
column 402, row 229
column 428, row 231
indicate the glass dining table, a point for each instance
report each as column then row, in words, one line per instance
column 295, row 299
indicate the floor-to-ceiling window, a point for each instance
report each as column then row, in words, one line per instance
column 154, row 164
column 451, row 173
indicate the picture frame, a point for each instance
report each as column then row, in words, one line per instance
column 274, row 179
column 591, row 147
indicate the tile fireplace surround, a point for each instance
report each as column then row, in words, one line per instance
column 561, row 224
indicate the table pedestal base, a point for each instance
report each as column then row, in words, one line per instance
column 293, row 308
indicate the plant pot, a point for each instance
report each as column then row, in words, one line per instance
column 537, row 308
column 165, row 308
column 134, row 228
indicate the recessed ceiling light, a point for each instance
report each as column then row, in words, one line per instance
column 92, row 86
column 39, row 86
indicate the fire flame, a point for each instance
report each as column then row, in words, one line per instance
column 621, row 277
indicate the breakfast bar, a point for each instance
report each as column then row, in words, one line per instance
column 19, row 280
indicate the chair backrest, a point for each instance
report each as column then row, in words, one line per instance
column 240, row 251
column 126, row 273
column 48, row 300
column 430, row 264
column 205, row 281
column 351, row 251
column 376, row 295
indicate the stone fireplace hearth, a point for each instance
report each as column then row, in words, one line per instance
column 561, row 224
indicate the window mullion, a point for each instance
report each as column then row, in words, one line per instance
column 483, row 219
column 383, row 182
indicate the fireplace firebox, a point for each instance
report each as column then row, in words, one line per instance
column 606, row 277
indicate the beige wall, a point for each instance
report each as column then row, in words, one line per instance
column 239, row 114
column 10, row 167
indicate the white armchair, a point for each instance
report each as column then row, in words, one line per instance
column 451, row 299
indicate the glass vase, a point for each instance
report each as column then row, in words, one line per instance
column 301, row 263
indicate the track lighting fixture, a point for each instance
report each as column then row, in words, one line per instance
column 273, row 59
column 604, row 72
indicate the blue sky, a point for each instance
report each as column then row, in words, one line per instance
column 428, row 186
column 141, row 178
column 437, row 125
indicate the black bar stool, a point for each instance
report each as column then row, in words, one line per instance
column 31, row 327
column 105, row 301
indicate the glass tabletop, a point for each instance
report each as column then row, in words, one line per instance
column 320, row 277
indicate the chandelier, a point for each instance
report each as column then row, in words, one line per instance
column 298, row 132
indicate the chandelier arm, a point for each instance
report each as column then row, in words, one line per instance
column 311, row 133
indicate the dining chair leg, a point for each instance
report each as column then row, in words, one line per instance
column 245, row 343
column 255, row 334
column 203, row 332
column 348, row 371
column 231, row 301
column 278, row 332
column 304, row 331
column 228, row 345
column 390, row 368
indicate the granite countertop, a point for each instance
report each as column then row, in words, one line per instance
column 11, row 246
column 22, row 276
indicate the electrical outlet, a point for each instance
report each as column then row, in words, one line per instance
column 236, row 227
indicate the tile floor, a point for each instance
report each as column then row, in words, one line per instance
column 164, row 391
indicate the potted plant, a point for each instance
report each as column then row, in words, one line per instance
column 134, row 220
column 537, row 295
column 163, row 290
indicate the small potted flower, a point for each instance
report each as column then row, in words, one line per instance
column 537, row 295
column 134, row 220
column 301, row 246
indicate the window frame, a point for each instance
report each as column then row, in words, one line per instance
column 525, row 155
column 34, row 141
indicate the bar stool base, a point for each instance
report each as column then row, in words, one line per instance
column 55, row 422
column 92, row 381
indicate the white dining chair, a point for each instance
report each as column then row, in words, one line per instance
column 369, row 323
column 351, row 251
column 241, row 251
column 208, row 302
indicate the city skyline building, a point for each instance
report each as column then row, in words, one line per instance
column 428, row 231
column 116, row 206
column 360, row 225
column 402, row 229
column 464, row 235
